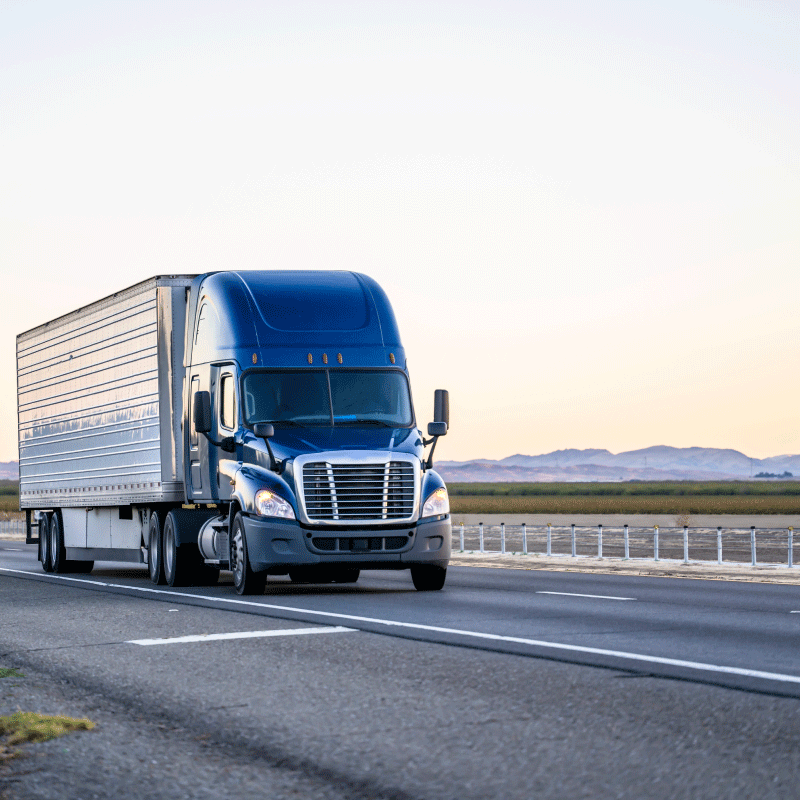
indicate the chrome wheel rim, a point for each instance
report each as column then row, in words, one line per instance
column 53, row 540
column 153, row 553
column 237, row 555
column 169, row 554
column 45, row 539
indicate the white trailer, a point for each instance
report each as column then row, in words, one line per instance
column 99, row 395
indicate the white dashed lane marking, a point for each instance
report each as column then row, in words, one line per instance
column 593, row 596
column 215, row 637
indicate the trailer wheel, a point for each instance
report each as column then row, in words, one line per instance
column 58, row 555
column 44, row 542
column 155, row 560
column 245, row 581
column 428, row 578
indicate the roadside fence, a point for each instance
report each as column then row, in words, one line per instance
column 12, row 526
column 756, row 546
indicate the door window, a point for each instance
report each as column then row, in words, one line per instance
column 227, row 391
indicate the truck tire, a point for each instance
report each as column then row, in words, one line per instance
column 306, row 575
column 44, row 542
column 345, row 574
column 183, row 564
column 176, row 568
column 245, row 581
column 155, row 551
column 58, row 555
column 428, row 578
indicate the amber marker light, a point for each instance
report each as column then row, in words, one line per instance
column 391, row 357
column 339, row 358
column 310, row 359
column 324, row 358
column 255, row 358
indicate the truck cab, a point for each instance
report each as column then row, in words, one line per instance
column 299, row 430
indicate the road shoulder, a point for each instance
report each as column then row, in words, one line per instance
column 654, row 569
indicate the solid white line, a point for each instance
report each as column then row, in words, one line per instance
column 595, row 596
column 794, row 612
column 570, row 648
column 215, row 637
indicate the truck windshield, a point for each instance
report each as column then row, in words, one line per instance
column 325, row 397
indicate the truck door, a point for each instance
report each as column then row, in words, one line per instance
column 198, row 451
column 225, row 422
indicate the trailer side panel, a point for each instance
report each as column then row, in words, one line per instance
column 99, row 401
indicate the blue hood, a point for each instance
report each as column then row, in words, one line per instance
column 291, row 442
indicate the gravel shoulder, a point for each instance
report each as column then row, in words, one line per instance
column 653, row 569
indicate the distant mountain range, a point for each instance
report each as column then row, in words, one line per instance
column 650, row 464
column 659, row 463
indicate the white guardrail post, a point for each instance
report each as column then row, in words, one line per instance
column 549, row 539
column 502, row 537
column 480, row 535
column 752, row 545
column 627, row 549
column 599, row 541
column 685, row 544
column 719, row 544
column 572, row 535
column 655, row 543
column 524, row 539
column 791, row 545
column 462, row 537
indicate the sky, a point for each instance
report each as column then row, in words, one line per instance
column 585, row 212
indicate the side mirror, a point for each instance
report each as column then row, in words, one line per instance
column 264, row 430
column 201, row 412
column 441, row 407
column 437, row 428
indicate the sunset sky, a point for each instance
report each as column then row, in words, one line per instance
column 585, row 212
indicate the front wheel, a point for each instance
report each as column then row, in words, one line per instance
column 345, row 574
column 428, row 578
column 245, row 581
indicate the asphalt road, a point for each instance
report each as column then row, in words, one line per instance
column 508, row 683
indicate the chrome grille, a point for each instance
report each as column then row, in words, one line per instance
column 359, row 491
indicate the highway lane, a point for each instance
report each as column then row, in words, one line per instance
column 341, row 712
column 732, row 634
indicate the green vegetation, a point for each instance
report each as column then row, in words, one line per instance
column 9, row 496
column 27, row 726
column 10, row 672
column 663, row 497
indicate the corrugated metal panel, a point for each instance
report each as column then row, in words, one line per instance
column 91, row 387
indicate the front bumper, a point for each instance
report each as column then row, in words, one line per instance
column 276, row 545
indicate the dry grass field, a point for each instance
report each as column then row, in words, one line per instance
column 677, row 498
column 9, row 497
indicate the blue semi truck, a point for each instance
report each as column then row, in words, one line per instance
column 260, row 422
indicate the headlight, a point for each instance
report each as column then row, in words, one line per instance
column 437, row 503
column 268, row 504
